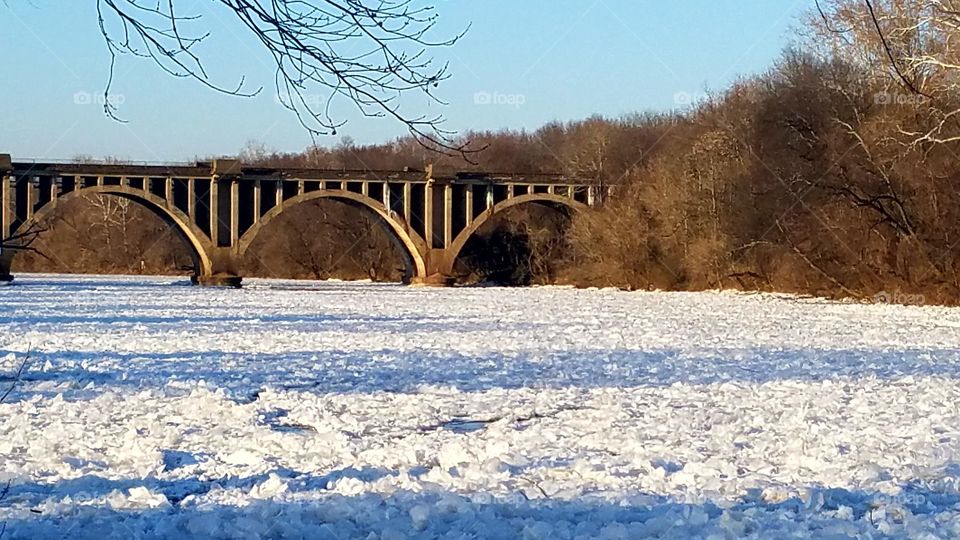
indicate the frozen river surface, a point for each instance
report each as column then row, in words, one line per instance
column 150, row 408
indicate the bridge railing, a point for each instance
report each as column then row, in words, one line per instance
column 236, row 169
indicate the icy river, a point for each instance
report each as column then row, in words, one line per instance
column 152, row 409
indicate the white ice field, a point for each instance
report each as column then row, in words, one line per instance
column 152, row 409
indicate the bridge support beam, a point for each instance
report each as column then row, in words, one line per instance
column 439, row 269
column 214, row 211
column 6, row 206
column 223, row 252
column 224, row 270
column 447, row 215
column 234, row 213
column 6, row 216
column 428, row 217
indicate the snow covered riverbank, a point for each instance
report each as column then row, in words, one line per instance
column 289, row 409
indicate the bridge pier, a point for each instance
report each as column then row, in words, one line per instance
column 222, row 270
column 220, row 263
column 218, row 280
column 439, row 269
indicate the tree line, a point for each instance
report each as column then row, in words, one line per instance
column 832, row 173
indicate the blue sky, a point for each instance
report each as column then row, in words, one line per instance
column 535, row 60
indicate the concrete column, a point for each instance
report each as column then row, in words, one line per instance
column 301, row 187
column 552, row 189
column 191, row 197
column 214, row 211
column 234, row 213
column 8, row 212
column 364, row 188
column 591, row 195
column 54, row 190
column 428, row 214
column 572, row 192
column 168, row 190
column 278, row 194
column 489, row 193
column 6, row 205
column 100, row 181
column 447, row 215
column 31, row 198
column 510, row 191
column 257, row 195
column 386, row 196
column 469, row 205
column 407, row 202
column 124, row 181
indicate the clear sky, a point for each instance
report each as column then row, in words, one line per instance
column 535, row 60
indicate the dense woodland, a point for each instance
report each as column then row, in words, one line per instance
column 833, row 173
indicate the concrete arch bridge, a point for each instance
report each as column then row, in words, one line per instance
column 220, row 207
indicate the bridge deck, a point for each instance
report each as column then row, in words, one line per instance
column 204, row 169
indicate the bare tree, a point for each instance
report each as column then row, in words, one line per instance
column 911, row 47
column 115, row 216
column 326, row 238
column 368, row 52
column 590, row 143
column 104, row 234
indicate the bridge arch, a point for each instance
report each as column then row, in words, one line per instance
column 534, row 198
column 411, row 242
column 196, row 238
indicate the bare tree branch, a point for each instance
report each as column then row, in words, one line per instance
column 24, row 240
column 16, row 379
column 894, row 63
column 368, row 52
